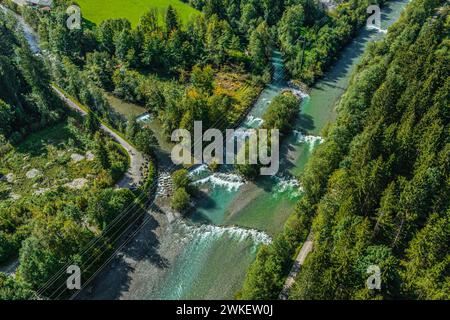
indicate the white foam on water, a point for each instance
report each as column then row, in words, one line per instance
column 200, row 169
column 208, row 232
column 252, row 120
column 164, row 184
column 230, row 181
column 144, row 118
column 284, row 184
column 374, row 27
column 299, row 93
column 309, row 139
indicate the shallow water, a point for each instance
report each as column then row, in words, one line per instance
column 267, row 204
column 206, row 262
column 316, row 110
column 176, row 259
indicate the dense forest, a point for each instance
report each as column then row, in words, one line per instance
column 215, row 64
column 309, row 36
column 376, row 192
column 201, row 65
column 46, row 219
column 26, row 103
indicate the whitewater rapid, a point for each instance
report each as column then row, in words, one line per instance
column 208, row 232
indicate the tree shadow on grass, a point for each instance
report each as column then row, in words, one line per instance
column 36, row 143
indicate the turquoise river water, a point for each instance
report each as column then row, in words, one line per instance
column 213, row 258
column 206, row 256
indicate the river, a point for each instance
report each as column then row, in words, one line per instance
column 206, row 256
column 205, row 261
column 28, row 32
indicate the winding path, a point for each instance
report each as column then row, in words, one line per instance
column 304, row 251
column 133, row 177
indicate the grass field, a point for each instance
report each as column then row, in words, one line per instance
column 98, row 10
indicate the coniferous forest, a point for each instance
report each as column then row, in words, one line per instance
column 86, row 178
column 377, row 190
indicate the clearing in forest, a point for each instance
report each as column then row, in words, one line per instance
column 97, row 11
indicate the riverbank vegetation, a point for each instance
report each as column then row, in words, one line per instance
column 155, row 65
column 280, row 115
column 156, row 62
column 47, row 208
column 376, row 192
column 181, row 196
column 58, row 204
column 27, row 104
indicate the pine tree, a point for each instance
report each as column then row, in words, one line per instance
column 101, row 153
column 92, row 124
column 171, row 19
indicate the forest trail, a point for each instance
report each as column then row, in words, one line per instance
column 133, row 176
column 304, row 251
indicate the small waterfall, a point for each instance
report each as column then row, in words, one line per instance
column 144, row 118
column 207, row 232
column 164, row 185
column 230, row 181
column 199, row 170
column 309, row 139
column 252, row 121
column 377, row 28
column 284, row 184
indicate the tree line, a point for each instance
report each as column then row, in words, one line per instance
column 45, row 232
column 376, row 192
column 153, row 64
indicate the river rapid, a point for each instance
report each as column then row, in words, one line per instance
column 206, row 255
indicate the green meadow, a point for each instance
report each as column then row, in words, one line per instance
column 97, row 11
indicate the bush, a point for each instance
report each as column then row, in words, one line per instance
column 151, row 175
column 145, row 140
column 13, row 289
column 180, row 179
column 180, row 200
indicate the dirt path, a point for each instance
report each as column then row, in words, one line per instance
column 304, row 251
column 133, row 176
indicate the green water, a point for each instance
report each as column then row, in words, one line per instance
column 202, row 260
column 126, row 109
column 210, row 267
column 269, row 213
column 214, row 207
column 194, row 274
